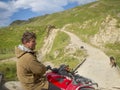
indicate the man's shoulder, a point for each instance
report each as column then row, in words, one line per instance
column 29, row 55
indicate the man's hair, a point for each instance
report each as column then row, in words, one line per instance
column 27, row 36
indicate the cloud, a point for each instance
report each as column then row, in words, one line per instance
column 7, row 9
column 41, row 5
column 81, row 2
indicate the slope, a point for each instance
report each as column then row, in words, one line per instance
column 96, row 66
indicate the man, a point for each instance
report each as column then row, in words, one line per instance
column 30, row 72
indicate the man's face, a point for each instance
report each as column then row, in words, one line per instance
column 31, row 44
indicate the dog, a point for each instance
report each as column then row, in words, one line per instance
column 112, row 61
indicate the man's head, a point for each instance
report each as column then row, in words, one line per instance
column 29, row 40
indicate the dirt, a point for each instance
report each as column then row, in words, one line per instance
column 96, row 67
column 48, row 42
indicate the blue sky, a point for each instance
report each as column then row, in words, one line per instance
column 11, row 10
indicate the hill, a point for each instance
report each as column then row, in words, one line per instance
column 95, row 67
column 97, row 23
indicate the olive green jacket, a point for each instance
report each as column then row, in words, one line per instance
column 29, row 70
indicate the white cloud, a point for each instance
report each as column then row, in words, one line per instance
column 80, row 2
column 7, row 9
column 41, row 5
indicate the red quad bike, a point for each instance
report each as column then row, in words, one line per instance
column 64, row 79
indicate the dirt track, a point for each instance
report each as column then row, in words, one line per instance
column 97, row 67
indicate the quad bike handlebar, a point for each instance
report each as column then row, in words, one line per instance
column 74, row 71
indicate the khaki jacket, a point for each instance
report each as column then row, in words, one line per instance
column 29, row 71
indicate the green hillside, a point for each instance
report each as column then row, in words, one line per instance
column 85, row 21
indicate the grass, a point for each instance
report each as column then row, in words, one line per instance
column 9, row 41
column 59, row 44
column 58, row 54
column 113, row 50
column 9, row 70
column 6, row 56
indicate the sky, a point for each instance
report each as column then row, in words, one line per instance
column 11, row 10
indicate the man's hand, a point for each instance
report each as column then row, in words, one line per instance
column 48, row 67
